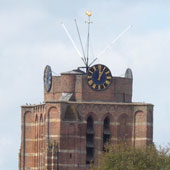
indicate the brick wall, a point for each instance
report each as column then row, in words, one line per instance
column 120, row 89
column 49, row 138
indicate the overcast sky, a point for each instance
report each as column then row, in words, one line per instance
column 31, row 37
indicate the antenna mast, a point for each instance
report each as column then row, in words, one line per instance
column 89, row 14
column 84, row 57
column 72, row 41
column 85, row 54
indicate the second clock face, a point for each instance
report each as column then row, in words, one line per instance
column 47, row 78
column 99, row 77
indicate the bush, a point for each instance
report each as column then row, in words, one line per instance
column 123, row 157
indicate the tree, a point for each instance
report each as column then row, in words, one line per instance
column 123, row 157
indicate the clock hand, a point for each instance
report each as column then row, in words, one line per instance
column 101, row 73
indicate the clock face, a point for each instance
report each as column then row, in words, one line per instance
column 47, row 78
column 99, row 77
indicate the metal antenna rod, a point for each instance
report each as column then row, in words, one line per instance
column 110, row 45
column 92, row 62
column 88, row 42
column 88, row 13
column 69, row 36
column 84, row 60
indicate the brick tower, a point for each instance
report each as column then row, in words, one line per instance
column 80, row 113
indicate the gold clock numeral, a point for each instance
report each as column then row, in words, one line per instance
column 107, row 72
column 94, row 68
column 89, row 77
column 107, row 82
column 99, row 67
column 99, row 87
column 94, row 86
column 90, row 71
column 104, row 86
column 104, row 69
column 109, row 78
column 90, row 82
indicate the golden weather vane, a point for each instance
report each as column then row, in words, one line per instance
column 89, row 13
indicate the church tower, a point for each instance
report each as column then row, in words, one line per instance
column 82, row 110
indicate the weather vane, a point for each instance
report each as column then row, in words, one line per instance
column 89, row 14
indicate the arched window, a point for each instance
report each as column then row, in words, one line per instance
column 106, row 131
column 89, row 141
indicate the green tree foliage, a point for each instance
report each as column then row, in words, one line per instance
column 123, row 157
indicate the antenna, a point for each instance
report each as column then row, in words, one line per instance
column 110, row 45
column 69, row 36
column 92, row 62
column 85, row 54
column 84, row 58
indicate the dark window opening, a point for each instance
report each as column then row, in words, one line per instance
column 106, row 123
column 89, row 141
column 90, row 156
column 106, row 132
column 106, row 138
column 70, row 155
column 90, row 123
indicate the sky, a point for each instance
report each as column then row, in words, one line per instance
column 31, row 37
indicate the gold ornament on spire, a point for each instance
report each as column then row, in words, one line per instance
column 89, row 13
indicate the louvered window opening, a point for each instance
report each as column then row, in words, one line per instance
column 106, row 132
column 90, row 141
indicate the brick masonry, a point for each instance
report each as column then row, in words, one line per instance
column 56, row 135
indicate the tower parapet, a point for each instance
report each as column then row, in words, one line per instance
column 75, row 83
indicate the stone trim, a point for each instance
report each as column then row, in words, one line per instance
column 33, row 124
column 72, row 136
column 72, row 151
column 144, row 123
column 32, row 154
column 137, row 139
column 32, row 168
column 61, row 150
column 95, row 122
column 53, row 120
column 67, row 165
column 34, row 140
column 53, row 136
column 50, row 157
column 103, row 103
column 28, row 124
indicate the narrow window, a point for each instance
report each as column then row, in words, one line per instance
column 70, row 155
column 89, row 141
column 106, row 131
